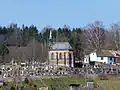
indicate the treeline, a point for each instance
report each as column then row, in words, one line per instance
column 94, row 36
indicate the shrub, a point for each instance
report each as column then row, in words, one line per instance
column 12, row 88
column 90, row 80
column 34, row 86
column 30, row 83
column 26, row 80
column 103, row 77
column 22, row 88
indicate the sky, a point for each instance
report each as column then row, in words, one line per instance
column 57, row 13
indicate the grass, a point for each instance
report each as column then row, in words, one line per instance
column 113, row 83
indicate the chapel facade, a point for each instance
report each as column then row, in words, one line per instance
column 61, row 54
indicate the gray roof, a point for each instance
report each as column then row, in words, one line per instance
column 61, row 46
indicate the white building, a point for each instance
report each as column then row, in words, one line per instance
column 103, row 56
column 86, row 59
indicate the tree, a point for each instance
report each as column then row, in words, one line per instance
column 26, row 80
column 3, row 51
column 95, row 35
column 76, row 42
column 116, row 35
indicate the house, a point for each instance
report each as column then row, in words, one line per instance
column 103, row 56
column 117, row 55
column 61, row 54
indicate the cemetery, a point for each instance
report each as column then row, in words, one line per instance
column 39, row 77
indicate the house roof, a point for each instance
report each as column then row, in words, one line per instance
column 61, row 46
column 115, row 53
column 104, row 53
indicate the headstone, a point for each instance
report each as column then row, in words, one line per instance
column 1, row 82
column 74, row 86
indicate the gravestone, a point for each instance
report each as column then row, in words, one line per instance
column 1, row 82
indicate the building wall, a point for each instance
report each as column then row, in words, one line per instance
column 111, row 60
column 102, row 59
column 93, row 56
column 86, row 59
column 61, row 60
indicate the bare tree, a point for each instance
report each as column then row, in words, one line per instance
column 115, row 28
column 95, row 35
column 109, row 42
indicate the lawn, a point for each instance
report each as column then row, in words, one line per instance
column 113, row 83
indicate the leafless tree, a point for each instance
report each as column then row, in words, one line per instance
column 95, row 35
column 109, row 42
column 115, row 28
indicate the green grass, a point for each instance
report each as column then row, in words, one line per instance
column 110, row 84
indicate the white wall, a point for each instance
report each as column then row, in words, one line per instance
column 105, row 60
column 86, row 59
column 93, row 56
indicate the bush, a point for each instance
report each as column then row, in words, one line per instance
column 34, row 86
column 30, row 83
column 26, row 80
column 12, row 88
column 103, row 77
column 90, row 80
column 22, row 88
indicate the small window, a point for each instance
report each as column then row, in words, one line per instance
column 114, row 60
column 64, row 54
column 110, row 58
column 56, row 55
column 52, row 55
column 60, row 55
column 101, row 58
